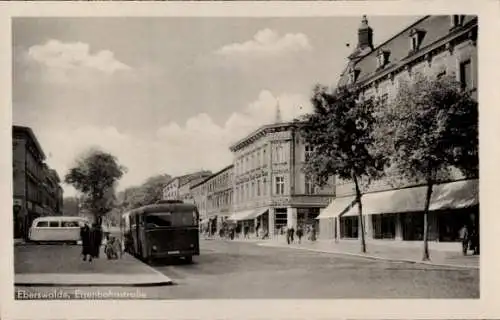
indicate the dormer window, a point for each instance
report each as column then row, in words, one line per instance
column 382, row 58
column 456, row 20
column 353, row 75
column 416, row 37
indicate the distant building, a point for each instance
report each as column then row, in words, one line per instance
column 434, row 46
column 269, row 188
column 172, row 190
column 214, row 195
column 37, row 191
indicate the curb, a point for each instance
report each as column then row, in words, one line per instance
column 372, row 257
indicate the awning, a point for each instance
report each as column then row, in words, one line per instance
column 241, row 215
column 247, row 214
column 257, row 213
column 337, row 207
column 453, row 195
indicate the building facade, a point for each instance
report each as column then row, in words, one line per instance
column 173, row 189
column 433, row 46
column 219, row 197
column 36, row 187
column 270, row 191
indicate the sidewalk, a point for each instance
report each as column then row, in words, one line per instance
column 62, row 265
column 386, row 251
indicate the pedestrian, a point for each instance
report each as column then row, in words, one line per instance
column 300, row 233
column 85, row 238
column 95, row 240
column 288, row 235
column 292, row 233
column 313, row 233
column 464, row 237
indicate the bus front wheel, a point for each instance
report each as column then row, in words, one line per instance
column 188, row 259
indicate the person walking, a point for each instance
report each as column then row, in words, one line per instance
column 95, row 240
column 464, row 237
column 313, row 233
column 292, row 233
column 300, row 233
column 85, row 238
column 288, row 236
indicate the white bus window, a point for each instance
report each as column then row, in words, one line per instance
column 42, row 224
column 69, row 224
column 53, row 224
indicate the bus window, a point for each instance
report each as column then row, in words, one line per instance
column 171, row 219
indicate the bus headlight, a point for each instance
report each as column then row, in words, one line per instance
column 154, row 248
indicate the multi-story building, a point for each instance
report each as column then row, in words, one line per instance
column 213, row 197
column 433, row 46
column 37, row 190
column 270, row 190
column 172, row 190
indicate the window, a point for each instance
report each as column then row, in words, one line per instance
column 42, row 224
column 280, row 185
column 253, row 189
column 69, row 224
column 309, row 185
column 456, row 20
column 264, row 156
column 466, row 75
column 416, row 37
column 308, row 152
column 264, row 186
column 382, row 58
column 258, row 188
column 53, row 224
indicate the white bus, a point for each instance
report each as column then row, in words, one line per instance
column 56, row 229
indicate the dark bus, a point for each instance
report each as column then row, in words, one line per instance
column 162, row 230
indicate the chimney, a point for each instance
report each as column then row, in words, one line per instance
column 365, row 35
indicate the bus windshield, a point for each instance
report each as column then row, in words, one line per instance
column 171, row 219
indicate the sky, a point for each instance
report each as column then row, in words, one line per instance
column 170, row 95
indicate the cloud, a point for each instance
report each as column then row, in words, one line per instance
column 60, row 62
column 199, row 143
column 268, row 42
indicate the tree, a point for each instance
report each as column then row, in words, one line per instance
column 339, row 132
column 430, row 127
column 149, row 192
column 95, row 175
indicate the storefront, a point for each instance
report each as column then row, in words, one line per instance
column 399, row 214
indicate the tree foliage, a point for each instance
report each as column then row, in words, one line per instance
column 430, row 127
column 339, row 131
column 95, row 176
column 149, row 192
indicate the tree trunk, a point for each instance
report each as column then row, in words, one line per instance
column 360, row 214
column 426, row 255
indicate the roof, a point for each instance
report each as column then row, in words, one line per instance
column 235, row 146
column 436, row 27
column 212, row 176
column 60, row 218
column 31, row 135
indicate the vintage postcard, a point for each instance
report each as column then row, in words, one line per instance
column 245, row 160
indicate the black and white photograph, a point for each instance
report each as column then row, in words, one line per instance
column 245, row 158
